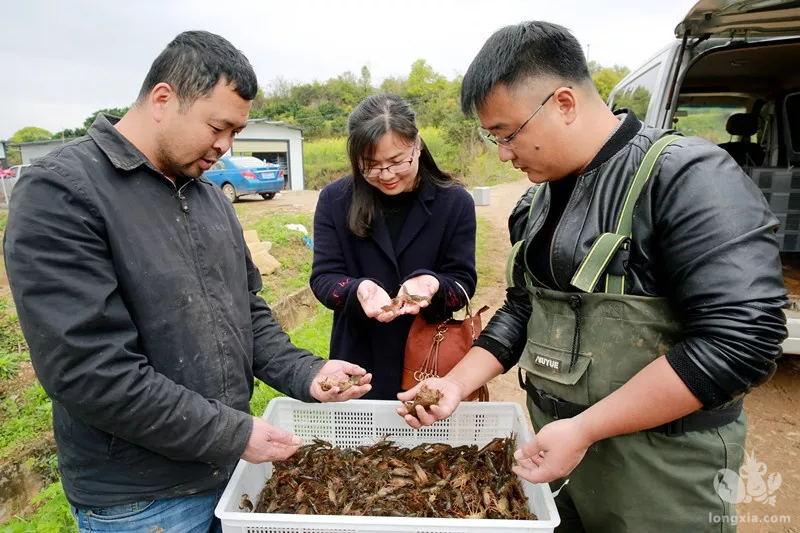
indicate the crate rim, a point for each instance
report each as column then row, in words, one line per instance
column 245, row 519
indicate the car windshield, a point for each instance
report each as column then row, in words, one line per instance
column 247, row 162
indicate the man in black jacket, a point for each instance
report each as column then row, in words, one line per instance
column 644, row 298
column 139, row 301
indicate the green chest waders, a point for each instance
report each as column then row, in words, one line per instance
column 581, row 347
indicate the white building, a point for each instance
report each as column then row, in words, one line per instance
column 274, row 142
column 36, row 149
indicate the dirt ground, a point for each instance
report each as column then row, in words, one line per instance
column 773, row 409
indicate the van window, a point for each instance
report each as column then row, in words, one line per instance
column 707, row 121
column 636, row 94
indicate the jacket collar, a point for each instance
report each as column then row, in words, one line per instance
column 119, row 150
column 626, row 130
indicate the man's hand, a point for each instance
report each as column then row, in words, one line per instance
column 269, row 443
column 340, row 371
column 417, row 293
column 452, row 394
column 375, row 302
column 553, row 452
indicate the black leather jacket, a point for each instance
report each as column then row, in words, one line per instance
column 703, row 236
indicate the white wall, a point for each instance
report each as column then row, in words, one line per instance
column 35, row 151
column 275, row 132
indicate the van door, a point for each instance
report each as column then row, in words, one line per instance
column 730, row 18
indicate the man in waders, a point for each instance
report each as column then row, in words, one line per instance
column 644, row 297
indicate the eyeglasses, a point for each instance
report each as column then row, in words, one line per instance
column 505, row 141
column 395, row 168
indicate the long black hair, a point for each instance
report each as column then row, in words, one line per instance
column 373, row 118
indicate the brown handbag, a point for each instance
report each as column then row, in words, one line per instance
column 432, row 350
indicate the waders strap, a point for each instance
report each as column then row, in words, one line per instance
column 607, row 245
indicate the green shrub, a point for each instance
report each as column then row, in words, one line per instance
column 325, row 160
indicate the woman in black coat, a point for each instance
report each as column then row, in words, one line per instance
column 396, row 225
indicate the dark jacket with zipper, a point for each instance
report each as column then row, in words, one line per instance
column 139, row 303
column 703, row 236
column 437, row 238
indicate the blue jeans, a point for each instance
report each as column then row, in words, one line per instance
column 184, row 514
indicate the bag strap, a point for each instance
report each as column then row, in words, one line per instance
column 468, row 306
column 608, row 244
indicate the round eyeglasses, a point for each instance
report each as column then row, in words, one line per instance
column 394, row 168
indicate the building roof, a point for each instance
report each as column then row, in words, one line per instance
column 273, row 123
column 49, row 141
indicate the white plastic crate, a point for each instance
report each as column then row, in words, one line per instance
column 364, row 422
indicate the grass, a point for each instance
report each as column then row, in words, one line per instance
column 52, row 514
column 13, row 349
column 707, row 122
column 486, row 261
column 314, row 336
column 324, row 161
column 26, row 416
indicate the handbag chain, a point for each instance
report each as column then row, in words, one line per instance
column 430, row 366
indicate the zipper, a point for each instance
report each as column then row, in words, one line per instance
column 578, row 182
column 575, row 302
column 184, row 207
column 183, row 202
column 533, row 232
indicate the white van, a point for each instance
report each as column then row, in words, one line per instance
column 733, row 76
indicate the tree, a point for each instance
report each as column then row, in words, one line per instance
column 30, row 134
column 365, row 81
column 113, row 111
column 428, row 92
column 637, row 100
column 13, row 156
column 393, row 86
column 606, row 78
column 69, row 133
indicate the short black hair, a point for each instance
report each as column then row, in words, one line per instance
column 516, row 53
column 194, row 62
